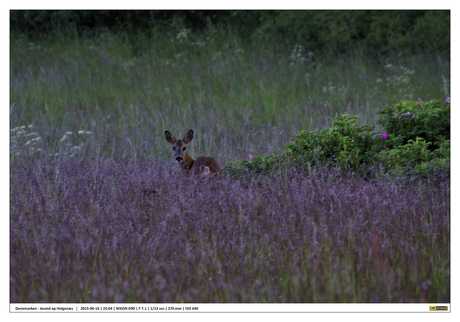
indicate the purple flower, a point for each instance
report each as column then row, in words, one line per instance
column 250, row 157
column 384, row 136
column 247, row 170
column 297, row 139
column 447, row 99
column 408, row 113
column 289, row 160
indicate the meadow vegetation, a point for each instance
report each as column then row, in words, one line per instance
column 95, row 231
column 414, row 140
column 346, row 214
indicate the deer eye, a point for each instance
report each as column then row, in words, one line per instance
column 174, row 148
column 183, row 149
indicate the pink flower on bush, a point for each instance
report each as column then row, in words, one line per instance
column 384, row 136
column 408, row 113
column 247, row 169
column 289, row 160
column 250, row 157
column 297, row 139
column 447, row 99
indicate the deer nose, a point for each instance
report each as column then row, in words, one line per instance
column 178, row 159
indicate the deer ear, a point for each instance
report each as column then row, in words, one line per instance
column 169, row 137
column 188, row 137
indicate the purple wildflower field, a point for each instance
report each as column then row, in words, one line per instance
column 120, row 231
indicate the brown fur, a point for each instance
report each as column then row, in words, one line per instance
column 202, row 166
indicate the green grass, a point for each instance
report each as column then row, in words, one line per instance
column 239, row 98
column 99, row 214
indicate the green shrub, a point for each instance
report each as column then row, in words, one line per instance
column 255, row 166
column 409, row 120
column 415, row 140
column 346, row 144
column 416, row 157
column 418, row 137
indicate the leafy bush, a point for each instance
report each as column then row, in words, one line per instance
column 256, row 165
column 416, row 153
column 408, row 120
column 415, row 140
column 346, row 144
column 419, row 137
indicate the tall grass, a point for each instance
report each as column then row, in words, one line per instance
column 98, row 212
column 240, row 98
column 123, row 232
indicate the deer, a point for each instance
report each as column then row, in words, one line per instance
column 204, row 167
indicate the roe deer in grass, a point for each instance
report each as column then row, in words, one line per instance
column 202, row 166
